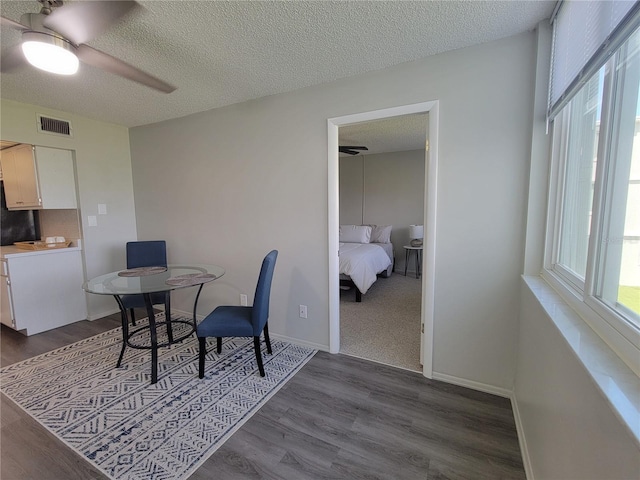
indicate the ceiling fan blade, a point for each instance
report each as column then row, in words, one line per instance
column 12, row 58
column 7, row 22
column 80, row 22
column 106, row 62
column 350, row 147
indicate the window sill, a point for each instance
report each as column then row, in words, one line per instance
column 617, row 382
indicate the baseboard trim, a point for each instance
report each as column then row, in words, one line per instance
column 275, row 336
column 524, row 450
column 184, row 313
column 98, row 316
column 272, row 335
column 297, row 341
column 482, row 387
column 116, row 310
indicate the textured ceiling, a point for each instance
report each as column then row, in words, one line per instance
column 223, row 52
column 395, row 134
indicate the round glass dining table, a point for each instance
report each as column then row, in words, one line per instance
column 145, row 281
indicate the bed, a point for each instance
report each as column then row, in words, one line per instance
column 365, row 252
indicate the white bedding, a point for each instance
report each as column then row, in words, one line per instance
column 362, row 262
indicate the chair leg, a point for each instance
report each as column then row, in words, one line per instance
column 256, row 347
column 167, row 316
column 125, row 332
column 133, row 316
column 202, row 351
column 167, row 306
column 218, row 344
column 266, row 337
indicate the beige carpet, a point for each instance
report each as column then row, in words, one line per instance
column 385, row 326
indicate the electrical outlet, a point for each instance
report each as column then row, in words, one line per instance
column 303, row 311
column 243, row 300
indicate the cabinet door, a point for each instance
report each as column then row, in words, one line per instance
column 6, row 309
column 46, row 290
column 56, row 178
column 20, row 178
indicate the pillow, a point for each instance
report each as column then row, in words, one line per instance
column 355, row 233
column 380, row 234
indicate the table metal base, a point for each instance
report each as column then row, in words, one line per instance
column 152, row 328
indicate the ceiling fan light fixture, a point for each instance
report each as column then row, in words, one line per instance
column 50, row 53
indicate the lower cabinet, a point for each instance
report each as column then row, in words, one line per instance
column 42, row 290
column 6, row 309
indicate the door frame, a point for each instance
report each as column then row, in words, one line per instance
column 430, row 211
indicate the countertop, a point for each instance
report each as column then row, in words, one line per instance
column 12, row 251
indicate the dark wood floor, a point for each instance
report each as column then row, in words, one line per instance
column 340, row 418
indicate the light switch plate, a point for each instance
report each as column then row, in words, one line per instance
column 93, row 220
column 102, row 209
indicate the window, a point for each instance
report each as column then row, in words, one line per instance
column 618, row 265
column 595, row 224
column 582, row 123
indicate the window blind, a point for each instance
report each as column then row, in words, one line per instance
column 585, row 35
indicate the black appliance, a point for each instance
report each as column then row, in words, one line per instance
column 17, row 225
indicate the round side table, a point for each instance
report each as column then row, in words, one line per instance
column 418, row 253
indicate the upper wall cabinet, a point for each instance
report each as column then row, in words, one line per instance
column 19, row 176
column 38, row 178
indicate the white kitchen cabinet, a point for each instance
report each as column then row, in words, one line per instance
column 56, row 178
column 20, row 178
column 6, row 309
column 43, row 289
column 38, row 178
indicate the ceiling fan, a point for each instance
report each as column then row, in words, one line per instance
column 55, row 39
column 351, row 150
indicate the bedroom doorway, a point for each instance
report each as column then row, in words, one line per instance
column 426, row 283
column 381, row 190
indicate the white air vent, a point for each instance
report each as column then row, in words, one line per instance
column 54, row 126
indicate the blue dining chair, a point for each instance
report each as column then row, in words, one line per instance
column 151, row 253
column 241, row 321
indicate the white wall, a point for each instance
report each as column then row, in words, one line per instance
column 103, row 173
column 391, row 188
column 571, row 431
column 351, row 188
column 227, row 185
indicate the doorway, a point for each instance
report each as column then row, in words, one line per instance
column 382, row 172
column 429, row 221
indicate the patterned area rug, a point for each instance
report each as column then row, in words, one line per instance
column 131, row 429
